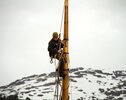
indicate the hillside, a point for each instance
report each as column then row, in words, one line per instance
column 85, row 84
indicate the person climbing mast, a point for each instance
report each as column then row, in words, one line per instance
column 55, row 46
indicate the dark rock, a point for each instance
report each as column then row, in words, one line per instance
column 52, row 74
column 94, row 98
column 108, row 93
column 89, row 72
column 99, row 82
column 44, row 74
column 46, row 89
column 124, row 92
column 28, row 88
column 80, row 90
column 31, row 87
column 3, row 87
column 84, row 93
column 32, row 76
column 116, row 93
column 122, row 83
column 75, row 69
column 30, row 94
column 49, row 84
column 81, row 98
column 89, row 81
column 47, row 92
column 113, row 93
column 2, row 97
column 119, row 73
column 111, row 83
column 110, row 98
column 99, row 76
column 12, row 97
column 120, row 98
column 26, row 92
column 101, row 90
column 27, row 98
column 72, row 80
column 79, row 74
column 99, row 71
column 40, row 95
column 41, row 79
column 107, row 74
column 17, row 82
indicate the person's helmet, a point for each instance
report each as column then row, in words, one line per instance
column 55, row 35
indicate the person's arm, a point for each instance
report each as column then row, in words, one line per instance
column 62, row 44
column 51, row 49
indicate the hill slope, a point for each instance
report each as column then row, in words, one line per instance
column 85, row 84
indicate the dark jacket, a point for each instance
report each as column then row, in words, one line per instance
column 53, row 47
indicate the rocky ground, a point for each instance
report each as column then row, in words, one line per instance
column 85, row 84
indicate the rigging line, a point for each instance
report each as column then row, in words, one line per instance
column 60, row 94
column 57, row 87
column 70, row 82
column 56, row 91
column 56, row 94
column 62, row 20
column 61, row 24
column 57, row 76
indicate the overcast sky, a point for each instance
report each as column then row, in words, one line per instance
column 97, row 35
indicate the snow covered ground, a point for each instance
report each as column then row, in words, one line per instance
column 85, row 84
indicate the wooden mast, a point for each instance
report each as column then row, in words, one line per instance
column 65, row 82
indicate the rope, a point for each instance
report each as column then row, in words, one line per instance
column 56, row 87
column 61, row 21
column 56, row 94
column 57, row 72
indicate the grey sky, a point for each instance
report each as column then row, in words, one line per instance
column 97, row 35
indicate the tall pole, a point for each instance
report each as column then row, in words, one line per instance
column 65, row 82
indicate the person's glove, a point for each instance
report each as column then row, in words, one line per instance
column 60, row 51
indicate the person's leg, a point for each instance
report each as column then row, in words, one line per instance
column 61, row 67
